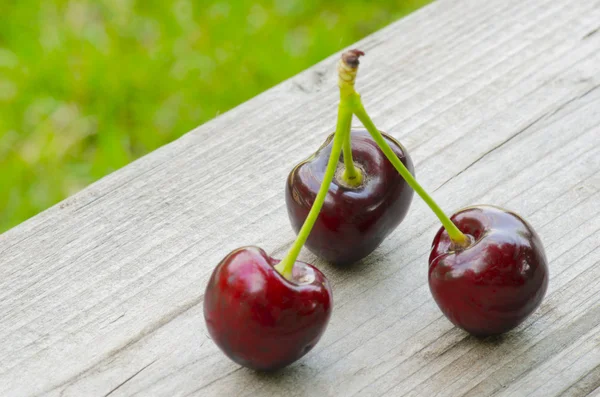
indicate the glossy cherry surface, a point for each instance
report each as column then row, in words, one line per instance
column 353, row 220
column 498, row 281
column 258, row 318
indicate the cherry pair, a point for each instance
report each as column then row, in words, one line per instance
column 487, row 267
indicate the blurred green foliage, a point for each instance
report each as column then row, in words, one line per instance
column 86, row 86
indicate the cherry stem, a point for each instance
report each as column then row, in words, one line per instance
column 347, row 68
column 352, row 176
column 286, row 266
column 457, row 237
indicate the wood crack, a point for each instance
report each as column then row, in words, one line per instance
column 128, row 379
column 116, row 319
column 300, row 87
column 567, row 103
column 141, row 336
column 590, row 34
column 528, row 126
column 212, row 382
column 510, row 138
column 585, row 384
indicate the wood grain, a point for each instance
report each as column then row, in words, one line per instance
column 496, row 101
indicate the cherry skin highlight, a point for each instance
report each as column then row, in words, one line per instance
column 495, row 283
column 354, row 220
column 260, row 319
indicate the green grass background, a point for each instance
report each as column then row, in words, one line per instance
column 88, row 86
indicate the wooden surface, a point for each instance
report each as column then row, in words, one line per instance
column 497, row 101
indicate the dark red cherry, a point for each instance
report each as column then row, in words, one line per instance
column 354, row 220
column 494, row 284
column 260, row 319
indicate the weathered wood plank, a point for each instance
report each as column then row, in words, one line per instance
column 497, row 102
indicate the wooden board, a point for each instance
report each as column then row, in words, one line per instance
column 497, row 101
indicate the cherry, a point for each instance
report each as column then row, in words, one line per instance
column 260, row 319
column 498, row 280
column 355, row 218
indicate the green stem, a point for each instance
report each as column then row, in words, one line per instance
column 286, row 266
column 454, row 233
column 352, row 175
